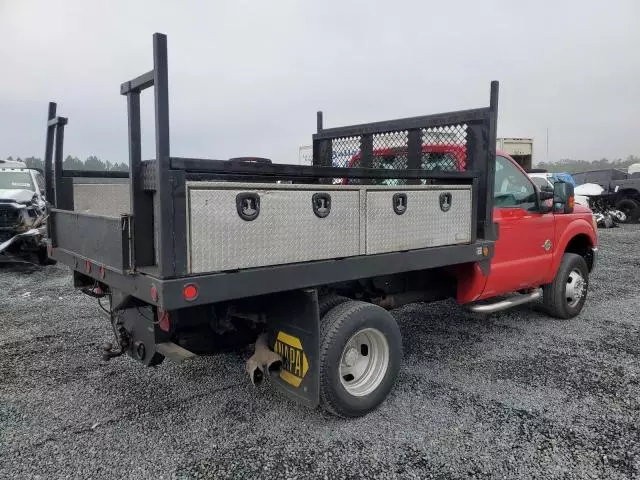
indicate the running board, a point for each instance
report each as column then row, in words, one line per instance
column 508, row 303
column 174, row 352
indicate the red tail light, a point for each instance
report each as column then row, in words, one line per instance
column 190, row 292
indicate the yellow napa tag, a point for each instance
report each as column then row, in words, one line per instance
column 295, row 364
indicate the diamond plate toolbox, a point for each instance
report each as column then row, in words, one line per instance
column 286, row 228
column 111, row 200
column 416, row 217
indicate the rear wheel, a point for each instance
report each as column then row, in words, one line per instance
column 360, row 355
column 631, row 208
column 565, row 297
column 330, row 301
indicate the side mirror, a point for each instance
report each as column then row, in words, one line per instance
column 545, row 204
column 563, row 197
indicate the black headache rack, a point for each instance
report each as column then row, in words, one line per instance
column 144, row 252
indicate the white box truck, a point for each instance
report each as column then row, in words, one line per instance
column 520, row 149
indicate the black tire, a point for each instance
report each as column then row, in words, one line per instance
column 337, row 328
column 554, row 295
column 631, row 208
column 330, row 301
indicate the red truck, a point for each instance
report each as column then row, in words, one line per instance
column 217, row 254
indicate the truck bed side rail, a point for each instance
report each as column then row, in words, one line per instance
column 107, row 244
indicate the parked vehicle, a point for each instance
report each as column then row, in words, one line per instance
column 213, row 254
column 622, row 189
column 519, row 149
column 595, row 197
column 23, row 213
column 545, row 182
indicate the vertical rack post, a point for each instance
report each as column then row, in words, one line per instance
column 61, row 193
column 158, row 200
column 170, row 197
column 48, row 155
column 141, row 202
column 489, row 228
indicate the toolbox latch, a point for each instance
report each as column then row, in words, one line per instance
column 400, row 203
column 248, row 205
column 321, row 203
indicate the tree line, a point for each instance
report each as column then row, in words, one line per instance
column 91, row 163
column 576, row 166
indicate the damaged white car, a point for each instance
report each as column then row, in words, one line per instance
column 23, row 214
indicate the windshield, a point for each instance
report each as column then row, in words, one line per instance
column 16, row 181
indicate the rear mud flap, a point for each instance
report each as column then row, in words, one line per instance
column 293, row 327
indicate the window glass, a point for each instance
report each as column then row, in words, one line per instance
column 540, row 182
column 512, row 188
column 15, row 181
column 40, row 182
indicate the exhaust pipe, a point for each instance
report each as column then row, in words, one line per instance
column 263, row 360
column 506, row 304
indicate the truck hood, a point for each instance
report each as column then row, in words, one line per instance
column 15, row 195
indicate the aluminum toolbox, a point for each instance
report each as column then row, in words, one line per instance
column 416, row 217
column 286, row 229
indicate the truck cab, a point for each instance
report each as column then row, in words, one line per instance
column 534, row 237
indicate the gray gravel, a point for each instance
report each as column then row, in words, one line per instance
column 517, row 395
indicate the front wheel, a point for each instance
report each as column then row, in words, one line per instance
column 565, row 297
column 360, row 356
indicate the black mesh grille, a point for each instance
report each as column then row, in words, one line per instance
column 390, row 150
column 444, row 148
column 440, row 149
column 343, row 150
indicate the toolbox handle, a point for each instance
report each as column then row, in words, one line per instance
column 248, row 205
column 321, row 203
column 399, row 203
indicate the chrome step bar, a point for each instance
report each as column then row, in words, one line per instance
column 507, row 303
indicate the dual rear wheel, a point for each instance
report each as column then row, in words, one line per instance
column 360, row 356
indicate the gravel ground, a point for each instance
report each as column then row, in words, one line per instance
column 517, row 395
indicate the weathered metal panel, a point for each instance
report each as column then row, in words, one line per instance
column 111, row 199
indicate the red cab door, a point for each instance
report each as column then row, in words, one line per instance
column 524, row 250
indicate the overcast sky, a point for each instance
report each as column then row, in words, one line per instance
column 246, row 77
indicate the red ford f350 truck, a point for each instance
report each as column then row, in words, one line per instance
column 195, row 256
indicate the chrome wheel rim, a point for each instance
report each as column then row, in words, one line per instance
column 364, row 362
column 575, row 288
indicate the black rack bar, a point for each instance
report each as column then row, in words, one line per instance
column 94, row 174
column 201, row 165
column 439, row 119
column 138, row 84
